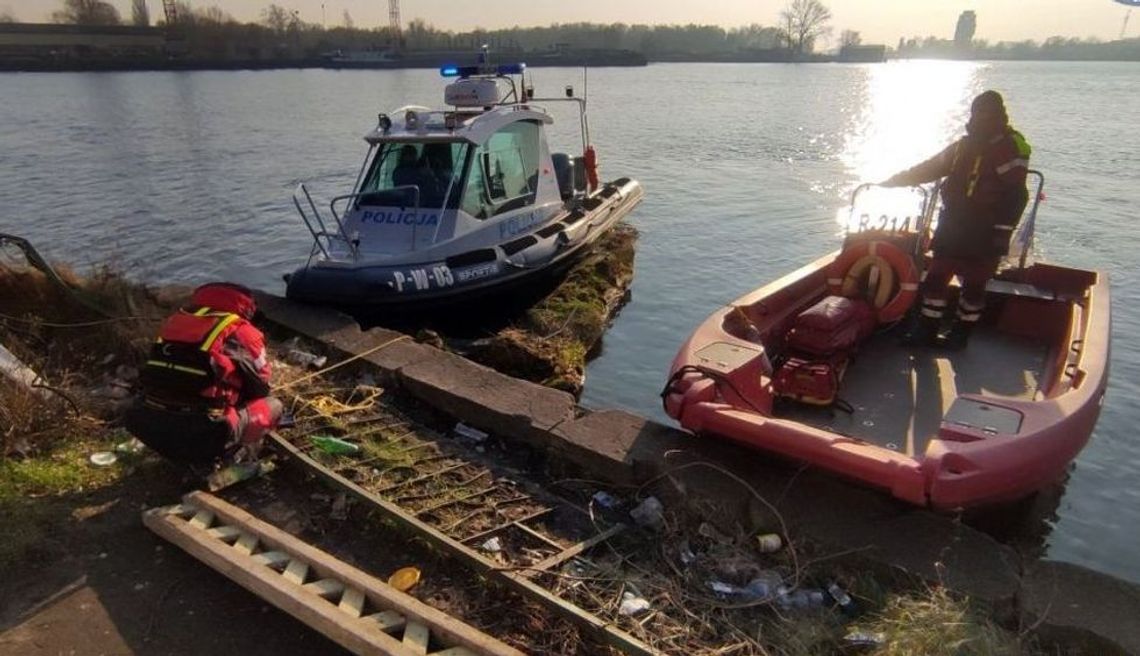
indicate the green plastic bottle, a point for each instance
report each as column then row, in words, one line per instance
column 334, row 445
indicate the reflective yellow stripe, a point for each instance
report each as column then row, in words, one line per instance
column 1012, row 164
column 170, row 365
column 201, row 312
column 974, row 176
column 226, row 321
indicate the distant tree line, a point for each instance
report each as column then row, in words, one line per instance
column 1053, row 48
column 211, row 33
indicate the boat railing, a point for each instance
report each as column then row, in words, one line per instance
column 1028, row 227
column 322, row 236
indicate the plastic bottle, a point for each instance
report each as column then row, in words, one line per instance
column 801, row 599
column 306, row 359
column 842, row 600
column 764, row 586
column 334, row 445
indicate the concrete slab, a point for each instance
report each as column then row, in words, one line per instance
column 340, row 334
column 617, row 446
column 1074, row 606
column 485, row 398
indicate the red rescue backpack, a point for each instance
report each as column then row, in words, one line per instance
column 187, row 363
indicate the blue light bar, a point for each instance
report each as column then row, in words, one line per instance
column 511, row 69
column 450, row 70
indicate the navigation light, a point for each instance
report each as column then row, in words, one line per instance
column 449, row 70
column 511, row 69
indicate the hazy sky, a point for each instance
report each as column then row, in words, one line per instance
column 879, row 20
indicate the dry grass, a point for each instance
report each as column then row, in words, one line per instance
column 75, row 338
column 935, row 623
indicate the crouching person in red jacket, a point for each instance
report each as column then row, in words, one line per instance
column 205, row 387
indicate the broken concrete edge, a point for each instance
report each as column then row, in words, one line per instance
column 625, row 449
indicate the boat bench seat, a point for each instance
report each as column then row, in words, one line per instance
column 1010, row 288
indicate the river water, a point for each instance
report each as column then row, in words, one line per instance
column 184, row 177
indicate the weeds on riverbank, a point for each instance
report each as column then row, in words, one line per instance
column 936, row 623
column 552, row 341
column 80, row 336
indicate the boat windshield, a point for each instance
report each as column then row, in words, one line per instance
column 400, row 168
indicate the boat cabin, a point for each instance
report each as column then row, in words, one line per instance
column 473, row 175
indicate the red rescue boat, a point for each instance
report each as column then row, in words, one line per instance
column 809, row 367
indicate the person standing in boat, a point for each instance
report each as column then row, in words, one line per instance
column 983, row 196
column 205, row 386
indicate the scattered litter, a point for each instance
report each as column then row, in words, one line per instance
column 632, row 605
column 132, row 446
column 107, row 359
column 843, row 600
column 765, row 586
column 649, row 514
column 686, row 553
column 493, row 545
column 722, row 588
column 366, row 379
column 469, row 433
column 103, row 458
column 762, row 587
column 404, row 579
column 864, row 639
column 305, row 359
column 711, row 532
column 334, row 445
column 605, row 499
column 576, row 567
column 801, row 599
column 235, row 473
column 769, row 542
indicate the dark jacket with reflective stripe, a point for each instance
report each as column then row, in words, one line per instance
column 983, row 195
column 205, row 358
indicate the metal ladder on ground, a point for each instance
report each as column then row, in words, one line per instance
column 354, row 609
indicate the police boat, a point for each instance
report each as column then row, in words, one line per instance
column 459, row 203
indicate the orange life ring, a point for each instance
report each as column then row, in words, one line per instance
column 591, row 158
column 901, row 278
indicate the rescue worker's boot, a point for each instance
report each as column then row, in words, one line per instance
column 922, row 331
column 958, row 336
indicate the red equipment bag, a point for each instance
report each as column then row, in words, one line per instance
column 810, row 381
column 833, row 325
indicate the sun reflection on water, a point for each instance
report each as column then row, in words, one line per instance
column 909, row 111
